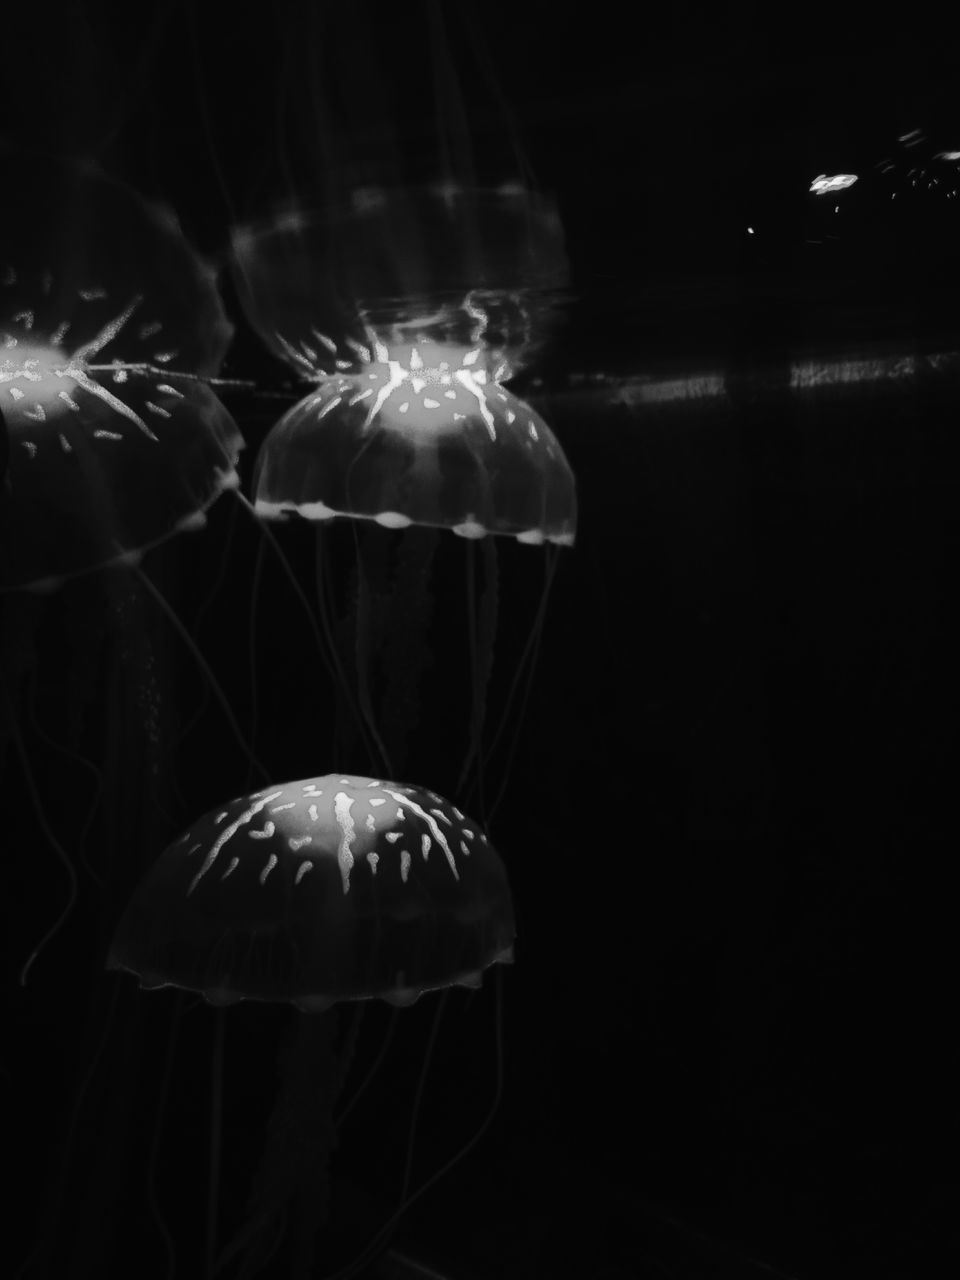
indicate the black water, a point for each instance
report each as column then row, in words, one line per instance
column 729, row 1041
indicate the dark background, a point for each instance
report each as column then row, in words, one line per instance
column 730, row 1035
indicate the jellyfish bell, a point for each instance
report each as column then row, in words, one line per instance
column 109, row 326
column 408, row 309
column 444, row 260
column 316, row 893
column 425, row 435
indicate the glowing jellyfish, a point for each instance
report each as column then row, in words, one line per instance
column 111, row 328
column 407, row 306
column 410, row 423
column 108, row 326
column 317, row 892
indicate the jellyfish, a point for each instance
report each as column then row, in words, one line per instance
column 316, row 893
column 108, row 326
column 406, row 269
column 114, row 441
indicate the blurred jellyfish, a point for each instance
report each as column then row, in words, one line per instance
column 317, row 892
column 110, row 330
column 108, row 324
column 407, row 289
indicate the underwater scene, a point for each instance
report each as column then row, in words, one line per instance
column 479, row 530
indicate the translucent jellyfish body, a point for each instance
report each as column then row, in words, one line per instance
column 408, row 309
column 322, row 890
column 442, row 261
column 108, row 325
column 420, row 435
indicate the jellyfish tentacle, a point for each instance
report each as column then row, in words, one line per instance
column 528, row 663
column 365, row 642
column 348, row 1049
column 341, row 1117
column 242, row 1242
column 406, row 656
column 456, row 152
column 361, row 1260
column 215, row 687
column 252, row 630
column 480, row 49
column 482, row 633
column 301, row 1134
column 363, row 723
column 22, row 620
column 418, row 1095
column 54, row 1199
column 83, row 830
column 322, row 633
column 49, row 835
column 153, row 1201
column 203, row 109
column 216, row 1141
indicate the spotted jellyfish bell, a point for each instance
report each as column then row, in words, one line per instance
column 318, row 892
column 408, row 331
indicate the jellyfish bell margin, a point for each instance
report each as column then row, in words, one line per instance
column 314, row 893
